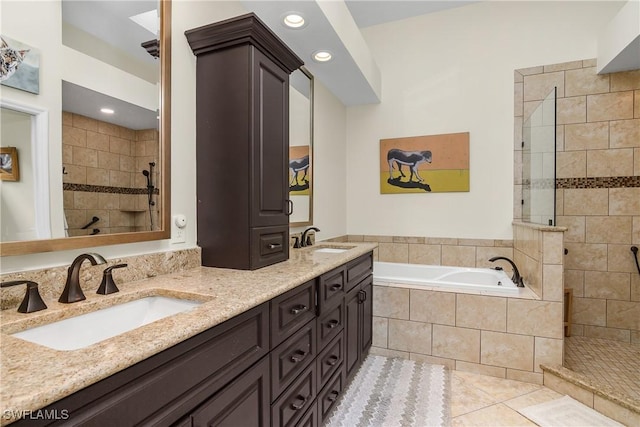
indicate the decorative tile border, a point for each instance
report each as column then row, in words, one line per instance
column 105, row 189
column 600, row 182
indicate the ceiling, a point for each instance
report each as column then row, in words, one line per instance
column 367, row 12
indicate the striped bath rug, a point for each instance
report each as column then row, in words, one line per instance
column 393, row 392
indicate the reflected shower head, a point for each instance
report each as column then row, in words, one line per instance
column 145, row 173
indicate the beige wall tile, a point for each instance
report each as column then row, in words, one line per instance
column 564, row 387
column 507, row 350
column 96, row 176
column 127, row 133
column 548, row 351
column 85, row 157
column 449, row 363
column 539, row 318
column 618, row 162
column 481, row 312
column 635, row 337
column 476, row 368
column 67, row 154
column 456, row 343
column 85, row 200
column 425, row 254
column 517, row 77
column 624, row 201
column 530, row 270
column 67, row 198
column 571, row 164
column 518, row 96
column 585, row 81
column 636, row 104
column 459, row 256
column 76, row 218
column 623, row 314
column 109, row 129
column 531, row 70
column 635, row 233
column 526, row 377
column 576, row 226
column 552, row 282
column 623, row 335
column 635, row 287
column 97, row 141
column 483, row 254
column 377, row 351
column 127, row 202
column 636, row 161
column 128, row 164
column 108, row 201
column 571, row 110
column 559, row 201
column 120, row 219
column 537, row 87
column 625, row 133
column 552, row 247
column 589, row 62
column 379, row 239
column 620, row 259
column 441, row 241
column 563, row 66
column 380, row 331
column 625, row 80
column 586, row 256
column 74, row 136
column 586, row 201
column 391, row 302
column 433, row 307
column 574, row 279
column 119, row 179
column 607, row 285
column 83, row 122
column 615, row 411
column 589, row 311
column 120, row 146
column 414, row 337
column 108, row 160
column 586, row 136
column 608, row 229
column 610, row 106
column 355, row 238
column 393, row 252
column 408, row 239
column 67, row 118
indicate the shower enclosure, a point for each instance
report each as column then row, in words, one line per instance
column 539, row 163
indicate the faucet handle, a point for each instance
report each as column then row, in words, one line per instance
column 32, row 300
column 108, row 285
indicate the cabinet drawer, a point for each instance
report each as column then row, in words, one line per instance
column 289, row 408
column 291, row 357
column 329, row 395
column 331, row 288
column 269, row 245
column 330, row 324
column 291, row 310
column 330, row 360
column 310, row 419
column 358, row 269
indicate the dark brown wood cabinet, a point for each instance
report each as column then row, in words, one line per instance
column 242, row 142
column 358, row 319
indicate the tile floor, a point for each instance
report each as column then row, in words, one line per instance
column 478, row 400
column 611, row 363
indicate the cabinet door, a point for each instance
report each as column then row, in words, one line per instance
column 351, row 335
column 244, row 402
column 270, row 143
column 366, row 319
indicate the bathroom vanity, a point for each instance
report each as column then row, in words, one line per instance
column 274, row 346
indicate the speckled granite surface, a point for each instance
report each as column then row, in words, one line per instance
column 34, row 376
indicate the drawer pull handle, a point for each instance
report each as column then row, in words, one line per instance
column 300, row 404
column 335, row 287
column 298, row 309
column 333, row 323
column 332, row 360
column 274, row 245
column 333, row 396
column 298, row 356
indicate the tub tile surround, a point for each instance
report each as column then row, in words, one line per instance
column 484, row 334
column 598, row 188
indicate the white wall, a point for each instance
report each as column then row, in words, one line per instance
column 448, row 72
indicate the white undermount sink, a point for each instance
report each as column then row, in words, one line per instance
column 82, row 331
column 330, row 250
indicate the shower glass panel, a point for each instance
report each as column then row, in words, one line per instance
column 539, row 163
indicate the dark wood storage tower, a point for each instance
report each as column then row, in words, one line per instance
column 242, row 134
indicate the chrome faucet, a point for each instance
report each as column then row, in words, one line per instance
column 306, row 240
column 516, row 278
column 72, row 291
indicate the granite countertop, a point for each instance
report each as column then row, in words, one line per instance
column 34, row 376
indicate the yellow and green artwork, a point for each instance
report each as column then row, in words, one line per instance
column 419, row 164
column 299, row 170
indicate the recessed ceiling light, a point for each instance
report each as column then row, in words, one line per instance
column 294, row 20
column 107, row 110
column 322, row 56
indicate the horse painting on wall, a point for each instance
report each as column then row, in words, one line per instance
column 433, row 163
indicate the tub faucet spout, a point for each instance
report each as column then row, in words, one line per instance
column 516, row 278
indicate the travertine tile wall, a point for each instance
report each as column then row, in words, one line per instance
column 106, row 161
column 498, row 336
column 598, row 182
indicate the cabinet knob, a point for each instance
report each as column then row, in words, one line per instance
column 298, row 309
column 302, row 400
column 274, row 245
column 298, row 356
column 333, row 323
column 333, row 396
column 336, row 287
column 332, row 360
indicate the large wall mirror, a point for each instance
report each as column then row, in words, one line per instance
column 301, row 147
column 105, row 77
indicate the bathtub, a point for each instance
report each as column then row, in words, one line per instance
column 435, row 276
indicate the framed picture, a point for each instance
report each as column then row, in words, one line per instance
column 425, row 164
column 20, row 65
column 9, row 168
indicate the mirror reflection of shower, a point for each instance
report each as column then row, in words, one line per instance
column 150, row 190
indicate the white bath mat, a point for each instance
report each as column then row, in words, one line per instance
column 566, row 412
